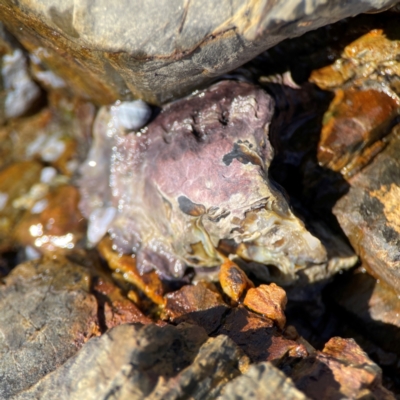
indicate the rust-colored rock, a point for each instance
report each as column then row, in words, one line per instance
column 366, row 84
column 15, row 182
column 258, row 337
column 116, row 307
column 356, row 119
column 341, row 370
column 233, row 280
column 269, row 300
column 369, row 213
column 200, row 304
column 56, row 225
column 149, row 283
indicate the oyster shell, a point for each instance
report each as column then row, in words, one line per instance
column 193, row 182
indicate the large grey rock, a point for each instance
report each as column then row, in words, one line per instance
column 47, row 314
column 159, row 49
column 138, row 362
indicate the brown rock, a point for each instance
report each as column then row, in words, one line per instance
column 369, row 213
column 137, row 362
column 56, row 228
column 116, row 308
column 47, row 314
column 15, row 182
column 149, row 283
column 268, row 300
column 104, row 56
column 355, row 121
column 200, row 305
column 341, row 370
column 258, row 337
column 233, row 280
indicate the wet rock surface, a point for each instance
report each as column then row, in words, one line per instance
column 152, row 59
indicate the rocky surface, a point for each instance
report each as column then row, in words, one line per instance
column 153, row 363
column 341, row 370
column 104, row 56
column 370, row 215
column 86, row 321
column 262, row 381
column 48, row 313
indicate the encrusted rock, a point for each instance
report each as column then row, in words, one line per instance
column 195, row 179
column 123, row 48
column 150, row 362
column 47, row 315
column 269, row 300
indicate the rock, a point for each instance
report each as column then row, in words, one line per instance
column 369, row 213
column 268, row 300
column 233, row 280
column 262, row 381
column 54, row 223
column 196, row 207
column 47, row 315
column 149, row 283
column 12, row 189
column 200, row 305
column 258, row 338
column 366, row 84
column 104, row 56
column 114, row 307
column 139, row 362
column 341, row 370
column 373, row 309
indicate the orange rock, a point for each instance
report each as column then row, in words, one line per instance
column 355, row 120
column 56, row 228
column 233, row 280
column 150, row 283
column 269, row 300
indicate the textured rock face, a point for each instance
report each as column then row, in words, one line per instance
column 262, row 381
column 152, row 363
column 370, row 213
column 47, row 315
column 194, row 179
column 160, row 49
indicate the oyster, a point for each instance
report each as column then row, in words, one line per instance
column 192, row 183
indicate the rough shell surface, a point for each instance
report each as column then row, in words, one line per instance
column 195, row 180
